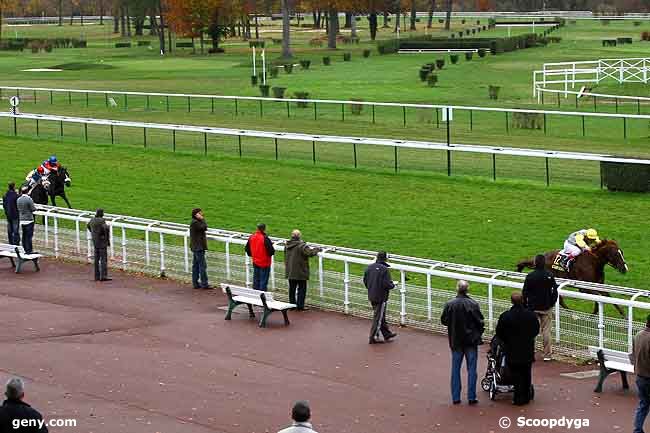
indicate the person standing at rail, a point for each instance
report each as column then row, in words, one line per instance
column 296, row 263
column 10, row 205
column 640, row 358
column 101, row 236
column 379, row 284
column 540, row 295
column 26, row 209
column 260, row 248
column 199, row 246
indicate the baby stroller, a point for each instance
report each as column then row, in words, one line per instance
column 497, row 378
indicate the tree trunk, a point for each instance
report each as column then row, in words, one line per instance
column 432, row 8
column 161, row 28
column 101, row 12
column 128, row 20
column 450, row 5
column 122, row 22
column 413, row 15
column 153, row 23
column 257, row 27
column 286, row 30
column 348, row 21
column 385, row 20
column 116, row 21
column 60, row 13
column 397, row 18
column 333, row 29
column 1, row 12
column 372, row 23
column 353, row 27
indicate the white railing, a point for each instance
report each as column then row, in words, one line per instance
column 161, row 248
column 630, row 70
column 320, row 138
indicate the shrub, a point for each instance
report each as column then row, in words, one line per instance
column 645, row 36
column 253, row 80
column 48, row 48
column 144, row 43
column 35, row 48
column 123, row 45
column 469, row 55
column 288, row 68
column 218, row 50
column 432, row 79
column 481, row 52
column 301, row 95
column 440, row 63
column 327, row 61
column 637, row 23
column 278, row 92
column 478, row 22
column 366, row 53
column 473, row 31
column 625, row 177
column 274, row 71
column 467, row 31
column 604, row 22
column 460, row 34
column 441, row 21
column 356, row 109
column 554, row 39
column 424, row 71
column 264, row 90
column 347, row 57
column 454, row 58
column 462, row 21
column 493, row 91
column 304, row 64
column 184, row 44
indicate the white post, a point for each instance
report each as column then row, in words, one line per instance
column 147, row 258
column 56, row 237
column 254, row 63
column 110, row 231
column 601, row 325
column 46, row 229
column 573, row 77
column 566, row 84
column 248, row 272
column 88, row 246
column 162, row 255
column 124, row 248
column 630, row 326
column 429, row 315
column 402, row 292
column 77, row 235
column 346, row 287
column 321, row 276
column 264, row 65
column 228, row 259
column 186, row 254
column 272, row 272
column 557, row 320
column 621, row 73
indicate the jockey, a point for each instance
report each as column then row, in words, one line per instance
column 35, row 176
column 582, row 240
column 51, row 164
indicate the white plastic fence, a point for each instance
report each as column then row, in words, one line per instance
column 630, row 70
column 423, row 285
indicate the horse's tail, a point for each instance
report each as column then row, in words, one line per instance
column 527, row 263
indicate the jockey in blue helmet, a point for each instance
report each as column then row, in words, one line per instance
column 51, row 164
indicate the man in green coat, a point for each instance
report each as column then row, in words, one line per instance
column 296, row 262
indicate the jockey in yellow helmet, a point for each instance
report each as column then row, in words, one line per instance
column 580, row 241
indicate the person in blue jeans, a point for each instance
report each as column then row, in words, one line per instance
column 640, row 358
column 199, row 245
column 465, row 326
column 10, row 205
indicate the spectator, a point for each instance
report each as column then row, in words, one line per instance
column 540, row 296
column 379, row 284
column 465, row 325
column 296, row 263
column 10, row 205
column 101, row 240
column 199, row 245
column 517, row 328
column 15, row 409
column 260, row 248
column 640, row 358
column 300, row 414
column 26, row 210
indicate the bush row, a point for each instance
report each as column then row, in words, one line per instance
column 19, row 44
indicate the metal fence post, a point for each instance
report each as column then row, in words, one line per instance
column 313, row 151
column 396, row 162
column 346, row 287
column 601, row 325
column 112, row 135
column 494, row 166
column 275, row 140
column 162, row 255
column 124, row 260
column 239, row 143
column 144, row 137
column 173, row 140
column 205, row 143
column 402, row 292
column 354, row 151
column 548, row 175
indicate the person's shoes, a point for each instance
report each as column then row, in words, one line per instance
column 519, row 403
column 197, row 287
column 456, row 402
column 106, row 279
column 547, row 359
column 303, row 309
column 375, row 341
column 208, row 287
column 473, row 402
column 390, row 336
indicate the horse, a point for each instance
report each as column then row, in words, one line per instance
column 57, row 181
column 588, row 266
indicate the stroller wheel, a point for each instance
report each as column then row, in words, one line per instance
column 485, row 384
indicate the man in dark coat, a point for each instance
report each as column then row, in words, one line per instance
column 15, row 412
column 199, row 245
column 101, row 236
column 540, row 295
column 10, row 205
column 465, row 325
column 296, row 264
column 517, row 328
column 379, row 284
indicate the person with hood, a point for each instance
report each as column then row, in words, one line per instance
column 379, row 284
column 260, row 248
column 15, row 411
column 296, row 263
column 101, row 236
column 10, row 205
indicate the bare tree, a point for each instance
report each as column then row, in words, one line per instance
column 450, row 5
column 432, row 8
column 413, row 15
column 286, row 29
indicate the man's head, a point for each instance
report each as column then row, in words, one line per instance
column 301, row 411
column 24, row 190
column 540, row 261
column 196, row 211
column 516, row 298
column 295, row 235
column 382, row 256
column 12, row 186
column 462, row 287
column 99, row 213
column 15, row 389
column 261, row 227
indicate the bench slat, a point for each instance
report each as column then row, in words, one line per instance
column 614, row 365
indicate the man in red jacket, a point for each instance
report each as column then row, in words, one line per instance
column 260, row 248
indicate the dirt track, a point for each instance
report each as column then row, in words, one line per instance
column 140, row 355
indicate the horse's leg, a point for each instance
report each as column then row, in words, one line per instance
column 65, row 198
column 563, row 303
column 53, row 199
column 618, row 307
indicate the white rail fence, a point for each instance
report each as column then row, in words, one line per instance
column 423, row 285
column 568, row 74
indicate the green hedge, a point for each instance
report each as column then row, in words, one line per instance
column 496, row 45
column 19, row 44
column 619, row 176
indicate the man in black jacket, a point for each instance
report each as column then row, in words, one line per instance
column 14, row 411
column 101, row 236
column 540, row 295
column 379, row 284
column 199, row 245
column 465, row 325
column 10, row 205
column 517, row 328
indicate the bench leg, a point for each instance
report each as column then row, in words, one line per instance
column 13, row 264
column 603, row 375
column 285, row 314
column 265, row 315
column 38, row 268
column 231, row 306
column 251, row 314
column 624, row 380
column 19, row 265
